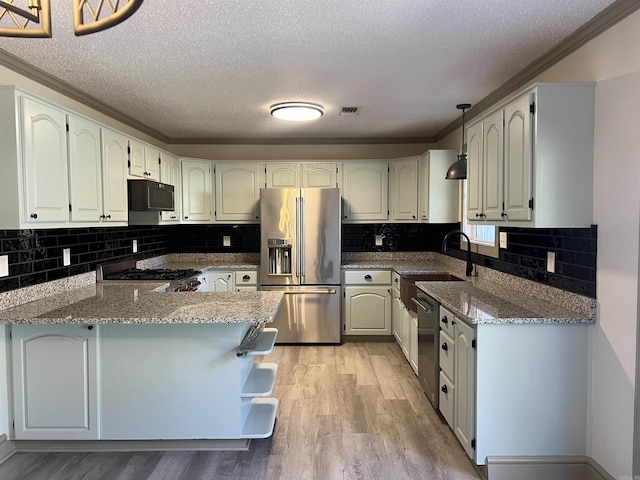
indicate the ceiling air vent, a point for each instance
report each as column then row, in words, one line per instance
column 348, row 111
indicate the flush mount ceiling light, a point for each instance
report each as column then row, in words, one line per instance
column 32, row 18
column 458, row 169
column 297, row 111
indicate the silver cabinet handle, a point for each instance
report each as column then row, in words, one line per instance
column 328, row 291
column 422, row 307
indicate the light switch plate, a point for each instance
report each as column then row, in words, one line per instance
column 226, row 241
column 135, row 246
column 503, row 239
column 378, row 240
column 66, row 257
column 551, row 262
column 4, row 266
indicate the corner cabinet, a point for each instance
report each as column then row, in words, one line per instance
column 365, row 191
column 531, row 160
column 438, row 198
column 55, row 382
column 404, row 190
column 367, row 302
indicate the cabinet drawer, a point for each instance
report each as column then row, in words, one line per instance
column 447, row 321
column 366, row 277
column 446, row 393
column 246, row 277
column 447, row 354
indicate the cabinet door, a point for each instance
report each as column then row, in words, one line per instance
column 238, row 192
column 85, row 171
column 475, row 207
column 137, row 163
column 54, row 375
column 413, row 341
column 517, row 159
column 152, row 162
column 405, row 189
column 493, row 167
column 465, row 374
column 170, row 174
column 283, row 175
column 438, row 198
column 367, row 310
column 45, row 162
column 396, row 317
column 196, row 191
column 365, row 191
column 114, row 175
column 319, row 175
column 219, row 281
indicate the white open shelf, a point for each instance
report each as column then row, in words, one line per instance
column 260, row 381
column 265, row 342
column 261, row 418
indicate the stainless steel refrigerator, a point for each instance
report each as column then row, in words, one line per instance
column 300, row 255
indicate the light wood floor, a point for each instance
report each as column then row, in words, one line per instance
column 350, row 411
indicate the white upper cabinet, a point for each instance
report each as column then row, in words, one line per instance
column 238, row 191
column 85, row 170
column 302, row 175
column 114, row 176
column 144, row 161
column 44, row 144
column 283, row 175
column 170, row 174
column 438, row 198
column 365, row 191
column 197, row 195
column 404, row 188
column 531, row 160
column 320, row 175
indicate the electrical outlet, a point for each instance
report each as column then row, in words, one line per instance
column 378, row 240
column 66, row 257
column 551, row 262
column 4, row 266
column 226, row 240
column 503, row 239
column 135, row 246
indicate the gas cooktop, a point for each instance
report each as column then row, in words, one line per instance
column 126, row 270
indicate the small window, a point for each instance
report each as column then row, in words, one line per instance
column 483, row 237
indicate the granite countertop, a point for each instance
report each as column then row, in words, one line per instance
column 203, row 265
column 479, row 300
column 143, row 303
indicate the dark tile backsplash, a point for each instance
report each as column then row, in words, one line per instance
column 35, row 256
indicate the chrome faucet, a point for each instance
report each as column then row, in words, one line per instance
column 469, row 269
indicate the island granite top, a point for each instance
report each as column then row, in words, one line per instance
column 141, row 303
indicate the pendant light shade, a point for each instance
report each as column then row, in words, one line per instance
column 458, row 169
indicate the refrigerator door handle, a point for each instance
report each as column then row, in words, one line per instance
column 303, row 239
column 328, row 291
column 297, row 246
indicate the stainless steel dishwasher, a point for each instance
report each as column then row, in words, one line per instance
column 428, row 339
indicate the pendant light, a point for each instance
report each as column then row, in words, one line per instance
column 458, row 169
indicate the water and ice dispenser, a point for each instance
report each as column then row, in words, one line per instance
column 279, row 256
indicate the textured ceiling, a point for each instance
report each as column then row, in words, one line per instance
column 211, row 69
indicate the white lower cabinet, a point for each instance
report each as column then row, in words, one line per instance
column 55, row 382
column 246, row 280
column 457, row 378
column 367, row 302
column 404, row 326
column 141, row 382
column 216, row 281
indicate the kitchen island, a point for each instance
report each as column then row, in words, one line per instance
column 130, row 362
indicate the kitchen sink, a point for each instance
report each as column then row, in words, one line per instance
column 408, row 287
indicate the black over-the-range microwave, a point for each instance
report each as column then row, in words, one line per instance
column 147, row 195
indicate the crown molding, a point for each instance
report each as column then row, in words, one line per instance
column 604, row 20
column 34, row 73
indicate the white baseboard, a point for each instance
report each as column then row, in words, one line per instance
column 7, row 448
column 129, row 445
column 545, row 467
